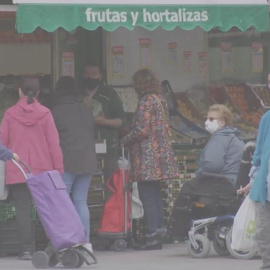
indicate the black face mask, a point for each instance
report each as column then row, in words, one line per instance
column 91, row 83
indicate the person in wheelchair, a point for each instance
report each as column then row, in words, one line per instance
column 217, row 171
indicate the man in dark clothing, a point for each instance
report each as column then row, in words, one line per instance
column 113, row 118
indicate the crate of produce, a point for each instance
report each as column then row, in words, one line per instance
column 246, row 102
column 97, row 181
column 262, row 93
column 184, row 131
column 188, row 110
column 10, row 240
column 200, row 99
column 96, row 211
column 96, row 196
column 8, row 212
column 223, row 94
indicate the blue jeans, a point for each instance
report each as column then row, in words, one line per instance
column 78, row 185
column 150, row 195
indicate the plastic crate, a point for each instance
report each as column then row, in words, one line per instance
column 8, row 212
column 10, row 240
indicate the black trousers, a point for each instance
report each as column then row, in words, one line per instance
column 150, row 196
column 22, row 199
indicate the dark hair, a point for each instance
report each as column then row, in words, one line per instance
column 67, row 86
column 30, row 87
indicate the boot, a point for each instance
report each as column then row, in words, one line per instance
column 152, row 243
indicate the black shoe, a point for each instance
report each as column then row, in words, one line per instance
column 153, row 243
column 156, row 246
column 26, row 255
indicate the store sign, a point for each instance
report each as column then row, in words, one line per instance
column 69, row 16
column 146, row 16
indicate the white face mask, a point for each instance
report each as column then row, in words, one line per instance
column 211, row 126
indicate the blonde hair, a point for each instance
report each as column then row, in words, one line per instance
column 145, row 82
column 224, row 112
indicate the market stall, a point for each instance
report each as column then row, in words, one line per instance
column 175, row 17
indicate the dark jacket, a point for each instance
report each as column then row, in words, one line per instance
column 5, row 154
column 112, row 108
column 75, row 124
column 222, row 154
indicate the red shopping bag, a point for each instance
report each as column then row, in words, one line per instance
column 113, row 218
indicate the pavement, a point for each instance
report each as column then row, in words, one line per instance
column 172, row 256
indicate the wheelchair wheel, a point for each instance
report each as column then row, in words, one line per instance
column 203, row 246
column 220, row 247
column 239, row 254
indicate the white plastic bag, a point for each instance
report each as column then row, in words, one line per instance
column 3, row 187
column 137, row 207
column 243, row 231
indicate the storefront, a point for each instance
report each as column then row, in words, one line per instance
column 188, row 43
column 209, row 51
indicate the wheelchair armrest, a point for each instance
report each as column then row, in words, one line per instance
column 214, row 175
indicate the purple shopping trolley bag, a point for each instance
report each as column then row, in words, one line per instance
column 55, row 209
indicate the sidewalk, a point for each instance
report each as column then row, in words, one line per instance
column 172, row 257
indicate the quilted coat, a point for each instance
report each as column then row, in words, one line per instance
column 152, row 156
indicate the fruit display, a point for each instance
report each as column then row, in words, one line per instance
column 243, row 105
column 262, row 93
column 246, row 102
column 186, row 108
column 199, row 99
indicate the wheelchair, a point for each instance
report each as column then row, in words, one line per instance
column 209, row 216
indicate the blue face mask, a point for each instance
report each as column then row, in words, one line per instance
column 211, row 126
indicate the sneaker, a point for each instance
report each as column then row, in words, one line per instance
column 26, row 255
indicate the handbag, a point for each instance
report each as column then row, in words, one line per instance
column 243, row 230
column 3, row 186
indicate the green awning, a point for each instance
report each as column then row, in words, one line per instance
column 70, row 15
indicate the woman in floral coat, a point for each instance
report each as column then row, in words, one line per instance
column 152, row 157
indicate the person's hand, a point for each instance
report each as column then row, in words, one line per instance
column 100, row 120
column 16, row 157
column 244, row 190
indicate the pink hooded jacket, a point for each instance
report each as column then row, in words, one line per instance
column 29, row 131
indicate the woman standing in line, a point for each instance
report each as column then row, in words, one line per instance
column 28, row 129
column 75, row 124
column 259, row 189
column 152, row 157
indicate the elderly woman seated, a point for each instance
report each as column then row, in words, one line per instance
column 219, row 159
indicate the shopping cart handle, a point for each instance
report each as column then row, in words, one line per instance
column 18, row 164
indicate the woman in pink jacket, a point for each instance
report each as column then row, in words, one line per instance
column 28, row 129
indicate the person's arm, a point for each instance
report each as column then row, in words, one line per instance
column 213, row 158
column 141, row 126
column 118, row 118
column 112, row 123
column 5, row 153
column 53, row 142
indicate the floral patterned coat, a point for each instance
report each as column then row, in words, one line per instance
column 152, row 156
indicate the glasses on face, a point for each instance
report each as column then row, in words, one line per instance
column 211, row 119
